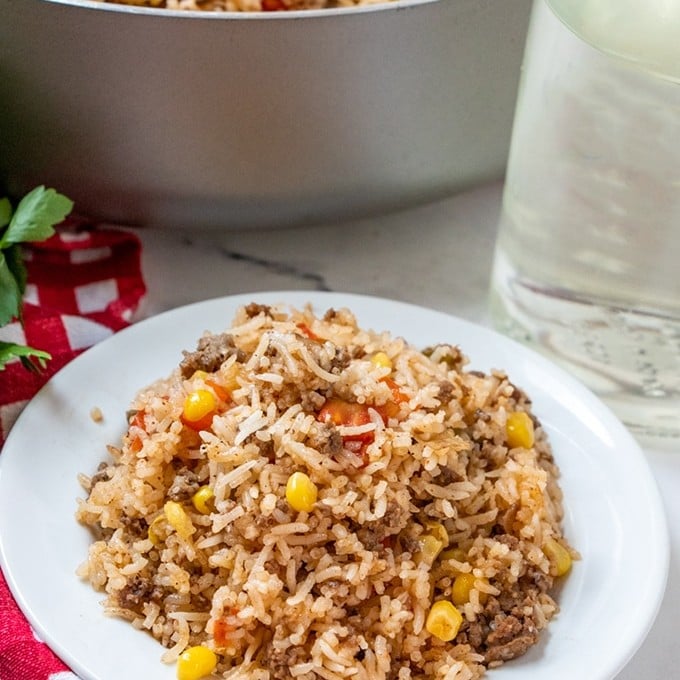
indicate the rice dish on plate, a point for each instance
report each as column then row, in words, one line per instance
column 302, row 498
column 245, row 5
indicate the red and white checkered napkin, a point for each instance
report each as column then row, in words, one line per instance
column 84, row 284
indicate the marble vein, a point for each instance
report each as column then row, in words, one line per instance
column 280, row 268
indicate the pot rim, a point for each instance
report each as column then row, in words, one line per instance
column 137, row 10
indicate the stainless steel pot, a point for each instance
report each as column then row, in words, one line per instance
column 150, row 116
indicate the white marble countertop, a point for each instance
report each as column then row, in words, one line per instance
column 437, row 255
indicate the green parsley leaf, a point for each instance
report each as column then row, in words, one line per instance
column 35, row 216
column 32, row 359
column 15, row 262
column 10, row 293
column 5, row 212
column 33, row 220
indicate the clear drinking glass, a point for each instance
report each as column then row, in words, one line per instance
column 587, row 261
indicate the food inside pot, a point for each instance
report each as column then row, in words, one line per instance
column 245, row 5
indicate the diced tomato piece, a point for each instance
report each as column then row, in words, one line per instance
column 272, row 5
column 219, row 391
column 347, row 413
column 365, row 438
column 340, row 412
column 307, row 331
column 398, row 396
column 388, row 541
column 391, row 408
column 137, row 420
column 204, row 423
column 222, row 629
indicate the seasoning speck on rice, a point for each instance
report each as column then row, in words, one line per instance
column 305, row 499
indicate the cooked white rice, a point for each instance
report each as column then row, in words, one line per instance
column 418, row 483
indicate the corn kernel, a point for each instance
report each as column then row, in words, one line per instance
column 560, row 559
column 432, row 542
column 457, row 554
column 229, row 378
column 301, row 492
column 154, row 532
column 198, row 405
column 430, row 547
column 444, row 620
column 462, row 585
column 381, row 360
column 202, row 500
column 195, row 663
column 519, row 430
column 438, row 530
column 178, row 519
column 461, row 588
column 199, row 375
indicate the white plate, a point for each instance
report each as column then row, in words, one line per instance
column 614, row 515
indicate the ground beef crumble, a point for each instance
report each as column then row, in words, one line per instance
column 184, row 486
column 253, row 309
column 138, row 591
column 506, row 628
column 211, row 352
column 326, row 439
column 278, row 661
column 137, row 526
column 266, row 448
column 340, row 360
column 447, row 476
column 312, row 402
column 104, row 473
column 380, row 534
column 511, row 637
column 445, row 392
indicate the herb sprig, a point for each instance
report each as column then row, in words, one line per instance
column 33, row 220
